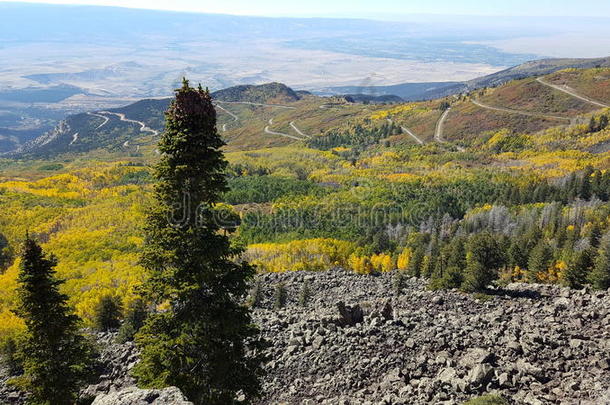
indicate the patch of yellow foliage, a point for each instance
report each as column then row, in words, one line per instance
column 309, row 254
column 90, row 221
column 401, row 109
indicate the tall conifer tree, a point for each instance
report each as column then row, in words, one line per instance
column 600, row 276
column 56, row 357
column 205, row 341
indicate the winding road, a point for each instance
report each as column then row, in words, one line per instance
column 407, row 131
column 293, row 126
column 267, row 129
column 519, row 112
column 106, row 119
column 270, row 132
column 143, row 127
column 572, row 92
column 438, row 131
column 440, row 126
column 235, row 117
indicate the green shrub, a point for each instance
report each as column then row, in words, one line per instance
column 451, row 278
column 255, row 296
column 281, row 296
column 6, row 254
column 487, row 400
column 51, row 167
column 399, row 282
column 8, row 352
column 134, row 319
column 107, row 314
column 305, row 294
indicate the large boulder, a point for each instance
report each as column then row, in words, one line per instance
column 137, row 396
column 352, row 315
column 349, row 316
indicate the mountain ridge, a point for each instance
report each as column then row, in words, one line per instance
column 432, row 90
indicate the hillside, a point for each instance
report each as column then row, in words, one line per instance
column 433, row 90
column 271, row 93
column 520, row 106
column 536, row 68
column 132, row 129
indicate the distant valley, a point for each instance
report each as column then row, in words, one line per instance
column 103, row 58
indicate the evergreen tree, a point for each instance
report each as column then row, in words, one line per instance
column 280, row 297
column 476, row 276
column 134, row 320
column 305, row 294
column 452, row 277
column 415, row 264
column 579, row 267
column 200, row 343
column 483, row 258
column 5, row 253
column 107, row 314
column 456, row 255
column 55, row 356
column 539, row 261
column 595, row 234
column 8, row 355
column 600, row 276
column 255, row 296
column 592, row 125
column 603, row 122
column 584, row 190
column 380, row 242
column 399, row 282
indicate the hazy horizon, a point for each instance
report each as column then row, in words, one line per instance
column 391, row 10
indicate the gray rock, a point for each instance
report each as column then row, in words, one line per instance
column 475, row 356
column 504, row 380
column 481, row 374
column 136, row 396
column 447, row 376
column 349, row 316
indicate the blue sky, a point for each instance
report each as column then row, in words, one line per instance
column 367, row 8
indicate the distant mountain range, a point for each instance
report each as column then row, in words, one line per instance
column 273, row 114
column 433, row 90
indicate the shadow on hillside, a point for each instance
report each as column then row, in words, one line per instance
column 524, row 294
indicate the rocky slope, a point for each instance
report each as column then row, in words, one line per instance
column 359, row 341
column 531, row 344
